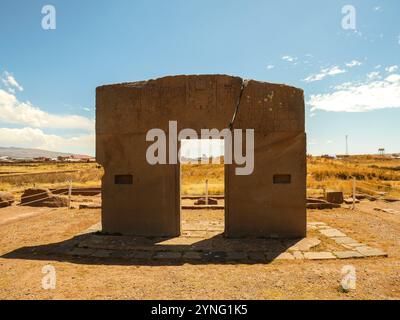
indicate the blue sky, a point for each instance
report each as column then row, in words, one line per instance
column 351, row 78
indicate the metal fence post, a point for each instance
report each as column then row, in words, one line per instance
column 207, row 192
column 354, row 193
column 69, row 193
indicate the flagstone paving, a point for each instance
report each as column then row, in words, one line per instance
column 203, row 241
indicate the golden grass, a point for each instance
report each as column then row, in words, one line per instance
column 50, row 175
column 374, row 174
column 193, row 177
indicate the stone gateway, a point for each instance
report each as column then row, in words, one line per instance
column 144, row 200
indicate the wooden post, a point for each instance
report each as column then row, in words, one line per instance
column 207, row 192
column 354, row 193
column 69, row 193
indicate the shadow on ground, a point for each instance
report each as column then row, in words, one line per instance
column 97, row 249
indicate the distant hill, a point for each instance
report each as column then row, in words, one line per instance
column 30, row 153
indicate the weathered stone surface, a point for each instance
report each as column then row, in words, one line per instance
column 319, row 255
column 41, row 197
column 347, row 254
column 350, row 201
column 89, row 206
column 388, row 199
column 285, row 256
column 322, row 205
column 298, row 255
column 305, row 244
column 202, row 201
column 371, row 252
column 148, row 203
column 332, row 233
column 316, row 223
column 6, row 199
column 387, row 210
column 334, row 196
column 344, row 240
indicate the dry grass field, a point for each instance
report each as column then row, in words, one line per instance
column 374, row 174
column 50, row 175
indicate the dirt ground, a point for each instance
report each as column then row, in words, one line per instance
column 21, row 278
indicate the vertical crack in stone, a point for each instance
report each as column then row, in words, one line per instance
column 243, row 86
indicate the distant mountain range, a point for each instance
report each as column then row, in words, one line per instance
column 30, row 153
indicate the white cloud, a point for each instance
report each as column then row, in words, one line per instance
column 288, row 58
column 270, row 66
column 391, row 69
column 86, row 109
column 377, row 8
column 36, row 138
column 14, row 111
column 360, row 97
column 353, row 63
column 10, row 82
column 332, row 71
column 373, row 75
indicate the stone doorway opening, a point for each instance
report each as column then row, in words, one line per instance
column 202, row 180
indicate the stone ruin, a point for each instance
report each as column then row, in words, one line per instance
column 42, row 197
column 144, row 200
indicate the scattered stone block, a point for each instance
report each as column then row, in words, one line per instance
column 319, row 255
column 305, row 244
column 332, row 233
column 350, row 201
column 41, row 197
column 344, row 240
column 316, row 223
column 6, row 199
column 322, row 205
column 387, row 199
column 285, row 256
column 298, row 255
column 365, row 196
column 202, row 201
column 347, row 254
column 89, row 206
column 390, row 211
column 371, row 252
column 334, row 197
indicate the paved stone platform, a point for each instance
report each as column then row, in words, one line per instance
column 203, row 241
